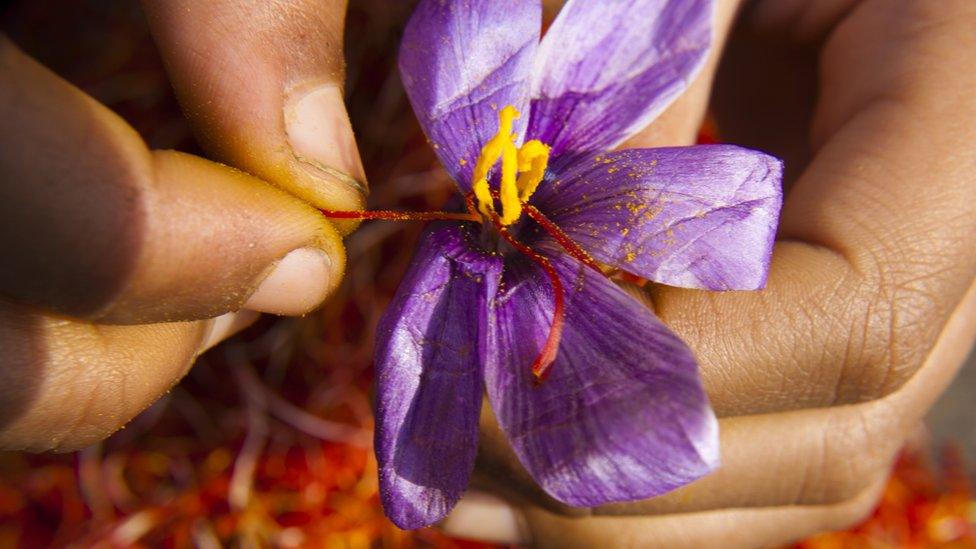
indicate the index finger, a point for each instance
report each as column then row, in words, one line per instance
column 262, row 83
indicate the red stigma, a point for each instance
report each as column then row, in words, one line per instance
column 543, row 362
column 568, row 244
column 400, row 216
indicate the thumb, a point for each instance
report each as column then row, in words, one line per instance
column 95, row 226
column 262, row 84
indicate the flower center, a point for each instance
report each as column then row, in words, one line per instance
column 522, row 169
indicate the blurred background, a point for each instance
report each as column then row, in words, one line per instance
column 282, row 455
column 953, row 420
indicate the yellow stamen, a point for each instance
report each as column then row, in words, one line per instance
column 533, row 157
column 490, row 153
column 522, row 169
column 509, row 196
column 486, row 205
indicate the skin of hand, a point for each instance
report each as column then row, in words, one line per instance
column 122, row 264
column 870, row 308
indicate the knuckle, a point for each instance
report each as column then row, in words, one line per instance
column 855, row 444
column 854, row 511
column 897, row 323
column 908, row 265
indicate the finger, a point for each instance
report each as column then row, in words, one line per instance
column 876, row 245
column 66, row 384
column 96, row 226
column 226, row 326
column 679, row 124
column 484, row 517
column 767, row 84
column 494, row 521
column 262, row 83
column 805, row 457
column 746, row 528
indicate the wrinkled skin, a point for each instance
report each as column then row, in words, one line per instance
column 871, row 286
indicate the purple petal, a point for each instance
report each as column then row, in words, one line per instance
column 460, row 62
column 606, row 69
column 429, row 382
column 696, row 217
column 622, row 415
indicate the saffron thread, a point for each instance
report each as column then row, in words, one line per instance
column 542, row 365
column 543, row 362
column 564, row 240
column 390, row 215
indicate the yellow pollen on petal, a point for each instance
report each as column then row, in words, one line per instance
column 522, row 169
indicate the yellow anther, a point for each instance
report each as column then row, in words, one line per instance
column 522, row 169
column 493, row 149
column 486, row 205
column 509, row 195
column 533, row 157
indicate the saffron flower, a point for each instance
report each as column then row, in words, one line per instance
column 599, row 399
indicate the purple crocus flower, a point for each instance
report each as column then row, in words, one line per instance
column 600, row 401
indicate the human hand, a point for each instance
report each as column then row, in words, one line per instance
column 870, row 307
column 121, row 264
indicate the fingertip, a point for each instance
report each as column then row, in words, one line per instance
column 287, row 123
column 225, row 326
column 484, row 517
column 321, row 137
column 217, row 240
column 296, row 284
column 324, row 165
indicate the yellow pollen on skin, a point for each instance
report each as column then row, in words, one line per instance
column 523, row 168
